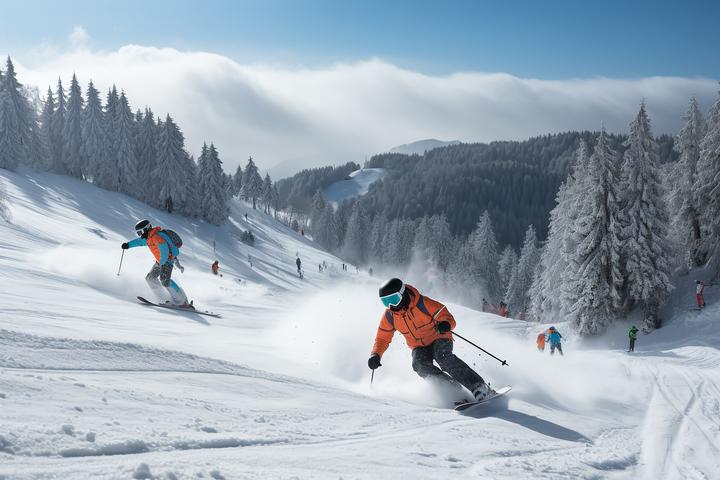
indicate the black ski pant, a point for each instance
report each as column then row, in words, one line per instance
column 452, row 370
column 632, row 345
column 553, row 346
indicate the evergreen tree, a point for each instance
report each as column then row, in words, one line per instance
column 75, row 164
column 146, row 148
column 644, row 219
column 252, row 187
column 16, row 119
column 45, row 122
column 593, row 287
column 124, row 147
column 267, row 192
column 485, row 257
column 169, row 178
column 376, row 246
column 317, row 209
column 212, row 193
column 327, row 233
column 506, row 266
column 57, row 125
column 708, row 188
column 237, row 181
column 95, row 148
column 518, row 292
column 356, row 245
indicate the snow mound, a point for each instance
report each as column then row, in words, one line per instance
column 355, row 185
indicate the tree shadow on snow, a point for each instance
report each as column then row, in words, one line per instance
column 531, row 422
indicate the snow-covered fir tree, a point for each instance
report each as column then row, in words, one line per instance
column 518, row 292
column 16, row 117
column 708, row 188
column 644, row 218
column 72, row 158
column 327, row 232
column 683, row 187
column 355, row 246
column 237, row 181
column 483, row 267
column 146, row 151
column 211, row 190
column 398, row 242
column 316, row 210
column 95, row 148
column 593, row 285
column 267, row 193
column 377, row 236
column 432, row 241
column 57, row 125
column 46, row 118
column 169, row 179
column 124, row 147
column 506, row 266
column 252, row 183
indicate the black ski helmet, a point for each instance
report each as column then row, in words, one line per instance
column 394, row 285
column 142, row 228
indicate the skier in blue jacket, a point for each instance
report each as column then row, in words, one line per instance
column 554, row 337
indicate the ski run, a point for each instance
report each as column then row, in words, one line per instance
column 95, row 385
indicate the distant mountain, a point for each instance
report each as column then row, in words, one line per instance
column 354, row 185
column 421, row 146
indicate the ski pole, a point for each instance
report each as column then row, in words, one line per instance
column 121, row 259
column 372, row 376
column 502, row 362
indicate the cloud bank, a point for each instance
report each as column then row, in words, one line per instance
column 293, row 118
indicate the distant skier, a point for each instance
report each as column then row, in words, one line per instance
column 215, row 267
column 555, row 339
column 632, row 334
column 299, row 265
column 541, row 341
column 426, row 325
column 165, row 250
column 699, row 288
column 503, row 310
column 485, row 305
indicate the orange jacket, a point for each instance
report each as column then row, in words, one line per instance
column 156, row 243
column 215, row 267
column 418, row 323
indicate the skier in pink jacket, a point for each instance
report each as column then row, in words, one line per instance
column 699, row 287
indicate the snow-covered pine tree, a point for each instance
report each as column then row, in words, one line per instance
column 593, row 287
column 169, row 179
column 506, row 266
column 644, row 218
column 548, row 286
column 683, row 195
column 708, row 188
column 190, row 205
column 267, row 191
column 75, row 164
column 16, row 118
column 56, row 127
column 355, row 247
column 4, row 208
column 328, row 231
column 146, row 148
column 377, row 234
column 237, row 181
column 45, row 131
column 484, row 266
column 211, row 190
column 316, row 210
column 518, row 292
column 95, row 148
column 398, row 242
column 124, row 147
column 252, row 183
column 431, row 241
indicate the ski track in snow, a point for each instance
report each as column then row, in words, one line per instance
column 94, row 385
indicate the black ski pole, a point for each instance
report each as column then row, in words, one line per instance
column 502, row 362
column 372, row 376
column 121, row 259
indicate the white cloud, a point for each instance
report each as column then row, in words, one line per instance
column 311, row 117
column 79, row 36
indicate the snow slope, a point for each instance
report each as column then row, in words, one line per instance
column 94, row 385
column 355, row 185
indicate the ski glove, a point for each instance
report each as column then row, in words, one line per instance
column 374, row 362
column 443, row 327
column 125, row 246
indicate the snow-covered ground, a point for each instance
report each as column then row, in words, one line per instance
column 94, row 385
column 356, row 185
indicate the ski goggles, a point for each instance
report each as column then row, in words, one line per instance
column 393, row 299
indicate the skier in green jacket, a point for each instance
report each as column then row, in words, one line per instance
column 632, row 334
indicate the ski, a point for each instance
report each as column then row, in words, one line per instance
column 173, row 307
column 498, row 393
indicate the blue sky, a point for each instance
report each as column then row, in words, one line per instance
column 530, row 39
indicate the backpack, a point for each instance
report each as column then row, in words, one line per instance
column 174, row 237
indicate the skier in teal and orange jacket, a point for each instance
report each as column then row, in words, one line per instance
column 555, row 339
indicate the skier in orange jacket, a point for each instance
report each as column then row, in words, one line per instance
column 426, row 325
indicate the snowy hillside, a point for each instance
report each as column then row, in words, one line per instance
column 421, row 146
column 94, row 385
column 355, row 185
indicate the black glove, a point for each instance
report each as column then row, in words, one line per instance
column 443, row 327
column 125, row 246
column 374, row 362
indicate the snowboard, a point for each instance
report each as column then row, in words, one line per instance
column 498, row 393
column 173, row 307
